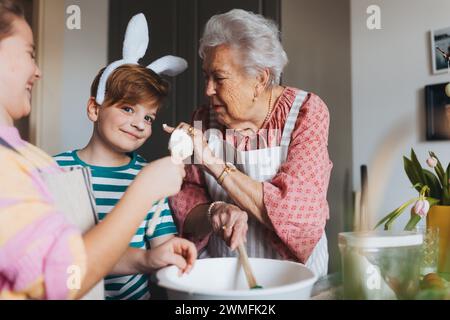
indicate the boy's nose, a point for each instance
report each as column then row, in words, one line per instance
column 139, row 124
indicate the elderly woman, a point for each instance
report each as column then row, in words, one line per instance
column 262, row 176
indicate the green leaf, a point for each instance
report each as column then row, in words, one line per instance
column 415, row 218
column 388, row 224
column 439, row 169
column 417, row 167
column 433, row 201
column 445, row 197
column 445, row 193
column 433, row 183
column 412, row 174
column 448, row 171
column 390, row 218
column 446, row 188
column 386, row 218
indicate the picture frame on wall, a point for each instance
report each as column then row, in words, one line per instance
column 440, row 38
column 437, row 112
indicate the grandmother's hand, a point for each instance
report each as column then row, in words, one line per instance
column 202, row 153
column 230, row 222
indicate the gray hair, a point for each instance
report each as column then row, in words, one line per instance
column 255, row 37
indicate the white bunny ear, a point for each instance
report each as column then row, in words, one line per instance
column 104, row 78
column 136, row 39
column 169, row 65
column 134, row 47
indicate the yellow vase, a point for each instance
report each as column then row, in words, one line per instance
column 439, row 216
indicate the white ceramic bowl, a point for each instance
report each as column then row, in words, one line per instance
column 224, row 279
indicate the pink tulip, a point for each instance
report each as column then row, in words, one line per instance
column 421, row 208
column 432, row 162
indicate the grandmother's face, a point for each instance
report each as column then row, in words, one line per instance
column 229, row 88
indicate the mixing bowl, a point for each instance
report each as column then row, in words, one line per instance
column 224, row 279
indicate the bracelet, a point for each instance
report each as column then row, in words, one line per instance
column 228, row 168
column 211, row 206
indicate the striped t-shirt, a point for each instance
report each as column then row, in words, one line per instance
column 109, row 184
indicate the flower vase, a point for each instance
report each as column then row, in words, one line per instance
column 439, row 217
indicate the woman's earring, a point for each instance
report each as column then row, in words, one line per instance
column 255, row 96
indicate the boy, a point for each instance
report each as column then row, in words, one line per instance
column 122, row 123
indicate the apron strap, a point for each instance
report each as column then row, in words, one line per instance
column 292, row 118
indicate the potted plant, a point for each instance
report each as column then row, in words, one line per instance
column 433, row 202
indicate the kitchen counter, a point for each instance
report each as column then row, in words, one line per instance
column 330, row 288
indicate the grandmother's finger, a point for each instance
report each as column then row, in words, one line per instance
column 239, row 235
column 182, row 125
column 216, row 223
column 233, row 217
column 168, row 128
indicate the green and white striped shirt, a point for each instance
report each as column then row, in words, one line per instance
column 109, row 184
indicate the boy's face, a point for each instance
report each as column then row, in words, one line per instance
column 125, row 127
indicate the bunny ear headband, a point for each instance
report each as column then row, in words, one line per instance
column 134, row 48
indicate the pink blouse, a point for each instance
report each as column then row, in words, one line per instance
column 295, row 199
column 37, row 243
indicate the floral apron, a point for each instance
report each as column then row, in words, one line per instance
column 260, row 165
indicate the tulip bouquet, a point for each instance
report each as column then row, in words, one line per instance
column 433, row 189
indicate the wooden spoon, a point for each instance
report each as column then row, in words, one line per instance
column 243, row 257
column 155, row 218
column 181, row 147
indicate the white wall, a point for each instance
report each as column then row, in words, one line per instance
column 316, row 37
column 49, row 35
column 390, row 68
column 69, row 60
column 85, row 53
